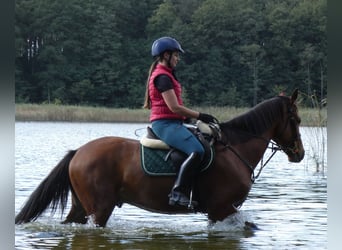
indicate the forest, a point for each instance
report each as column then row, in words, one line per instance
column 237, row 53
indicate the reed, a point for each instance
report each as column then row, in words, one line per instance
column 317, row 146
column 52, row 112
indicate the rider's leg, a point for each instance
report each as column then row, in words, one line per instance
column 184, row 180
column 178, row 136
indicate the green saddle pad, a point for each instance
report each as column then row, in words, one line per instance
column 153, row 162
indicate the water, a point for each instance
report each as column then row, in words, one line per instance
column 288, row 202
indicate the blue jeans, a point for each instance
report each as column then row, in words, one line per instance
column 176, row 135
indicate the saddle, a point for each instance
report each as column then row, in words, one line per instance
column 158, row 158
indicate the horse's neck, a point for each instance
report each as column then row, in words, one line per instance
column 253, row 150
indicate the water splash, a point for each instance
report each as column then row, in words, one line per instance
column 91, row 221
column 235, row 222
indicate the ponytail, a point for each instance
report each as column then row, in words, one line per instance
column 147, row 102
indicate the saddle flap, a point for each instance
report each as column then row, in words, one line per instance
column 157, row 162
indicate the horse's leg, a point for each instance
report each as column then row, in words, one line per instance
column 77, row 213
column 96, row 200
column 95, row 205
column 95, row 179
column 103, row 212
column 220, row 213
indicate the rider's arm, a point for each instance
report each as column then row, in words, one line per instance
column 164, row 85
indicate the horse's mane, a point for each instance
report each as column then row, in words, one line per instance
column 255, row 121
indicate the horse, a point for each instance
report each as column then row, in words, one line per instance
column 106, row 172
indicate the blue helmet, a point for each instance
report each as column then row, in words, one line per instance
column 165, row 43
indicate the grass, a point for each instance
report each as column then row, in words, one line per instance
column 52, row 112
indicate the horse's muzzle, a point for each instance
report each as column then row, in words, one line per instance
column 297, row 156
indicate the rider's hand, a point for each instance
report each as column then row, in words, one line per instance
column 207, row 118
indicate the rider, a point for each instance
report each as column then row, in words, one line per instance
column 163, row 97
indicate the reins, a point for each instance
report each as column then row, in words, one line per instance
column 275, row 148
column 217, row 136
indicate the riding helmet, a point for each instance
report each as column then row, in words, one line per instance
column 164, row 44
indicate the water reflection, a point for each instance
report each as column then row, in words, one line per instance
column 85, row 237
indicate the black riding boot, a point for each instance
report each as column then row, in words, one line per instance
column 184, row 179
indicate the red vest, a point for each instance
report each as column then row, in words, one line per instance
column 159, row 109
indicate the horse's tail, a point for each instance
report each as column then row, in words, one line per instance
column 53, row 189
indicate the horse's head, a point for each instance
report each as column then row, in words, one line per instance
column 287, row 132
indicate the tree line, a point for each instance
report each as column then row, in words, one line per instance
column 237, row 53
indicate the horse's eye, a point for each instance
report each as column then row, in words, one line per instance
column 297, row 119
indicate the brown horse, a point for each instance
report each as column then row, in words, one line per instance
column 107, row 172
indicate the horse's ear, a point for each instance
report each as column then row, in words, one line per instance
column 294, row 96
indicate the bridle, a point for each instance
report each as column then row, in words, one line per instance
column 292, row 118
column 275, row 146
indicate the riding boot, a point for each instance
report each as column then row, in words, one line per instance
column 184, row 179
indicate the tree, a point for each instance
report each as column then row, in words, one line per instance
column 237, row 52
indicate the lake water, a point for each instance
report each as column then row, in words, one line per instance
column 288, row 202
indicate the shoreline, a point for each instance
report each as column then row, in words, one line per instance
column 69, row 113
